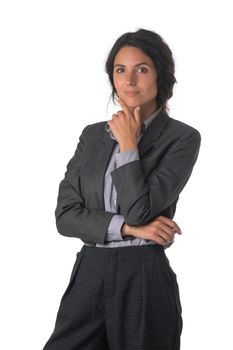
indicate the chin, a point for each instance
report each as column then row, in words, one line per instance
column 131, row 104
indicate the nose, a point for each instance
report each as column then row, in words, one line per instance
column 130, row 79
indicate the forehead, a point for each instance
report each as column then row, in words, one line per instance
column 131, row 55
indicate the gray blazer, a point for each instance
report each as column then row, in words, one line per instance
column 146, row 188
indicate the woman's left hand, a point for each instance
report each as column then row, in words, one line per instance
column 126, row 126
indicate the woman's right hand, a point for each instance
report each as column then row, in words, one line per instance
column 161, row 230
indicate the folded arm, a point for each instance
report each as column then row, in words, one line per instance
column 142, row 199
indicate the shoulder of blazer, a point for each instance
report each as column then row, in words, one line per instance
column 95, row 130
column 180, row 129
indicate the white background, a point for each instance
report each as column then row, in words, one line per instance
column 52, row 84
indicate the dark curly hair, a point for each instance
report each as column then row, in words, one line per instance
column 154, row 46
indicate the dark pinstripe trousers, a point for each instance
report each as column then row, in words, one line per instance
column 120, row 298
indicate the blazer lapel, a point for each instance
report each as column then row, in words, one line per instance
column 152, row 133
column 106, row 146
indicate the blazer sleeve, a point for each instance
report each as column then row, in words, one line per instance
column 143, row 198
column 114, row 230
column 73, row 219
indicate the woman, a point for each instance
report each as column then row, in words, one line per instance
column 120, row 192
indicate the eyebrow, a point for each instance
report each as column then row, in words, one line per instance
column 139, row 64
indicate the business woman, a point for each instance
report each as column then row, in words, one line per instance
column 119, row 196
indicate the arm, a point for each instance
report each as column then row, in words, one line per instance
column 142, row 199
column 115, row 232
column 73, row 219
column 161, row 229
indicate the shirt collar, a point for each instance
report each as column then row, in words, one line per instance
column 150, row 119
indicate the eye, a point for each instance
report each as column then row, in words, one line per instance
column 119, row 70
column 142, row 69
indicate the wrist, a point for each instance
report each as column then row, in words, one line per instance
column 126, row 230
column 128, row 146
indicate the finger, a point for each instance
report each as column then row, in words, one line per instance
column 177, row 229
column 124, row 106
column 120, row 113
column 170, row 223
column 164, row 232
column 159, row 240
column 168, row 236
column 137, row 115
column 117, row 114
column 163, row 238
column 168, row 230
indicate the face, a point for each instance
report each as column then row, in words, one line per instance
column 135, row 79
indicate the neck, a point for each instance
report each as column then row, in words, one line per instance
column 147, row 114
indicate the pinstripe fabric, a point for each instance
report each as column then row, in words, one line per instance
column 119, row 299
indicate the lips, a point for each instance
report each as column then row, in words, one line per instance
column 131, row 93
